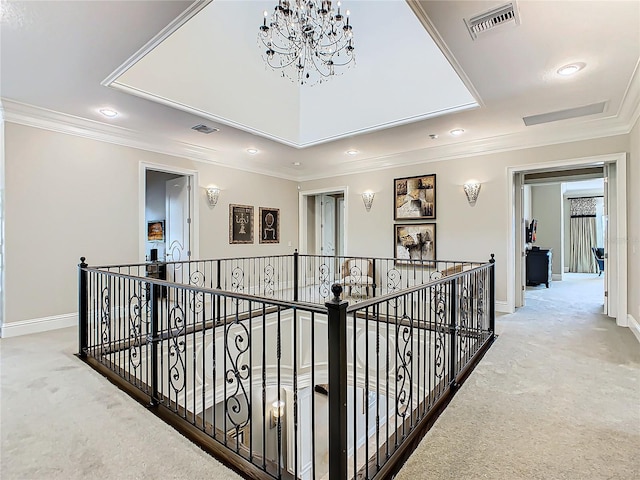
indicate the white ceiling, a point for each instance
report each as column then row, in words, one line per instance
column 187, row 71
column 54, row 56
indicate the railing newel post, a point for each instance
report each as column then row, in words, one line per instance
column 337, row 326
column 492, row 295
column 83, row 309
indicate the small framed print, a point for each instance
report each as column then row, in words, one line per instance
column 269, row 225
column 155, row 231
column 240, row 224
column 415, row 198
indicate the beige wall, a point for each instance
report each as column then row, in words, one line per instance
column 546, row 208
column 633, row 225
column 475, row 231
column 68, row 197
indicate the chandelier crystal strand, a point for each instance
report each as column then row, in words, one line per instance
column 307, row 40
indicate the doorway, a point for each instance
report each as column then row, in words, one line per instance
column 614, row 172
column 323, row 220
column 168, row 209
column 322, row 223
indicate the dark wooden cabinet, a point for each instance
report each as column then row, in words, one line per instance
column 157, row 270
column 539, row 266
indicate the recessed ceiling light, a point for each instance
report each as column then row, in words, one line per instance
column 571, row 69
column 352, row 152
column 296, row 164
column 456, row 132
column 252, row 151
column 107, row 112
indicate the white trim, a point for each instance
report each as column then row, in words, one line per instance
column 503, row 307
column 556, row 277
column 142, row 201
column 2, row 229
column 634, row 326
column 37, row 325
column 621, row 238
column 190, row 12
column 619, row 158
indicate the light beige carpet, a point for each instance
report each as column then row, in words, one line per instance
column 556, row 397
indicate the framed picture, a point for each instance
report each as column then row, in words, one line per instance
column 415, row 242
column 415, row 198
column 269, row 225
column 240, row 224
column 155, row 231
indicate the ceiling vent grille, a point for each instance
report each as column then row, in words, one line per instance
column 493, row 18
column 204, row 129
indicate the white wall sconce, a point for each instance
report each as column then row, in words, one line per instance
column 277, row 412
column 367, row 198
column 212, row 195
column 472, row 190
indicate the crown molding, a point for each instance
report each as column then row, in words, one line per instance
column 177, row 22
column 536, row 136
column 31, row 116
column 587, row 130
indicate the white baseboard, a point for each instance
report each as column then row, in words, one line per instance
column 37, row 325
column 634, row 326
column 503, row 307
column 556, row 277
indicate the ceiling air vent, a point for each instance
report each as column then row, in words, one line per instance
column 204, row 129
column 493, row 18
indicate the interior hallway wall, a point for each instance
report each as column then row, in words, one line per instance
column 69, row 196
column 546, row 208
column 463, row 232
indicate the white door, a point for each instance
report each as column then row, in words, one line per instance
column 178, row 225
column 328, row 226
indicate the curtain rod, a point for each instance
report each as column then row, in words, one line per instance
column 589, row 196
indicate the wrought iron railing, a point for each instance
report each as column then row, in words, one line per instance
column 275, row 378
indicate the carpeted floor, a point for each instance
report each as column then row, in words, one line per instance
column 556, row 397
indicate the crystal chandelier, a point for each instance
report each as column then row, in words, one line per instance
column 307, row 40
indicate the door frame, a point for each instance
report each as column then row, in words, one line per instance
column 302, row 214
column 142, row 201
column 515, row 221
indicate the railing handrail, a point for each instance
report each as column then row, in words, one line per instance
column 311, row 307
column 202, row 260
column 409, row 290
column 398, row 262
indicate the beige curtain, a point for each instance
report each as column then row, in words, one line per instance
column 582, row 234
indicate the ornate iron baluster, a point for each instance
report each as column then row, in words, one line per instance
column 105, row 320
column 404, row 390
column 177, row 348
column 237, row 403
